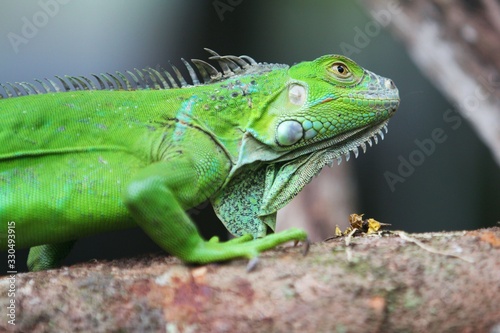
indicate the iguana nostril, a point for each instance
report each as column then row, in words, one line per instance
column 389, row 84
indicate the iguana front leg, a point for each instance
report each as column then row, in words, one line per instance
column 157, row 197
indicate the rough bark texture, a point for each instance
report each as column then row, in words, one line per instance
column 456, row 44
column 376, row 284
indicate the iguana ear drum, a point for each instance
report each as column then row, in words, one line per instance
column 289, row 132
column 297, row 94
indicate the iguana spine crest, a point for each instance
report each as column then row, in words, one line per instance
column 147, row 78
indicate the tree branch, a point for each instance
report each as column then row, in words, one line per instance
column 377, row 284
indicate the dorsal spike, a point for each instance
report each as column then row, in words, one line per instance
column 158, row 75
column 26, row 88
column 82, row 84
column 99, row 80
column 170, row 78
column 212, row 52
column 64, row 84
column 207, row 71
column 16, row 89
column 223, row 65
column 179, row 76
column 53, row 84
column 73, row 82
column 192, row 73
column 107, row 80
column 135, row 79
column 250, row 60
column 152, row 78
column 33, row 87
column 145, row 83
column 119, row 84
column 44, row 86
column 7, row 91
column 233, row 66
column 242, row 63
column 89, row 82
column 375, row 138
column 125, row 80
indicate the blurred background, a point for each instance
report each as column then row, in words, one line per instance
column 455, row 187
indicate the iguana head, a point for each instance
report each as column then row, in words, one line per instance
column 329, row 102
column 327, row 109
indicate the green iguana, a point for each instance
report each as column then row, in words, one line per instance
column 85, row 156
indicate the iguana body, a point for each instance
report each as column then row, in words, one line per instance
column 85, row 161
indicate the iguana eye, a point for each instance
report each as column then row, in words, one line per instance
column 341, row 70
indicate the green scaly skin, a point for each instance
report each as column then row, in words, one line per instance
column 81, row 162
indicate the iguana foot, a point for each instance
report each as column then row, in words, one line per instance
column 241, row 247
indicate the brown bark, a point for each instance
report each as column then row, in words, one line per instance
column 376, row 284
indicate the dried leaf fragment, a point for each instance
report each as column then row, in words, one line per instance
column 367, row 226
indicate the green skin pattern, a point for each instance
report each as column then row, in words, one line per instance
column 81, row 162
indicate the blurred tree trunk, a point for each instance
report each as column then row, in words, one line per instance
column 456, row 44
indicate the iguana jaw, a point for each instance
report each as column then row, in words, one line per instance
column 331, row 149
column 298, row 168
column 343, row 144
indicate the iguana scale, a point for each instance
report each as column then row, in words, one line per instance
column 83, row 156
